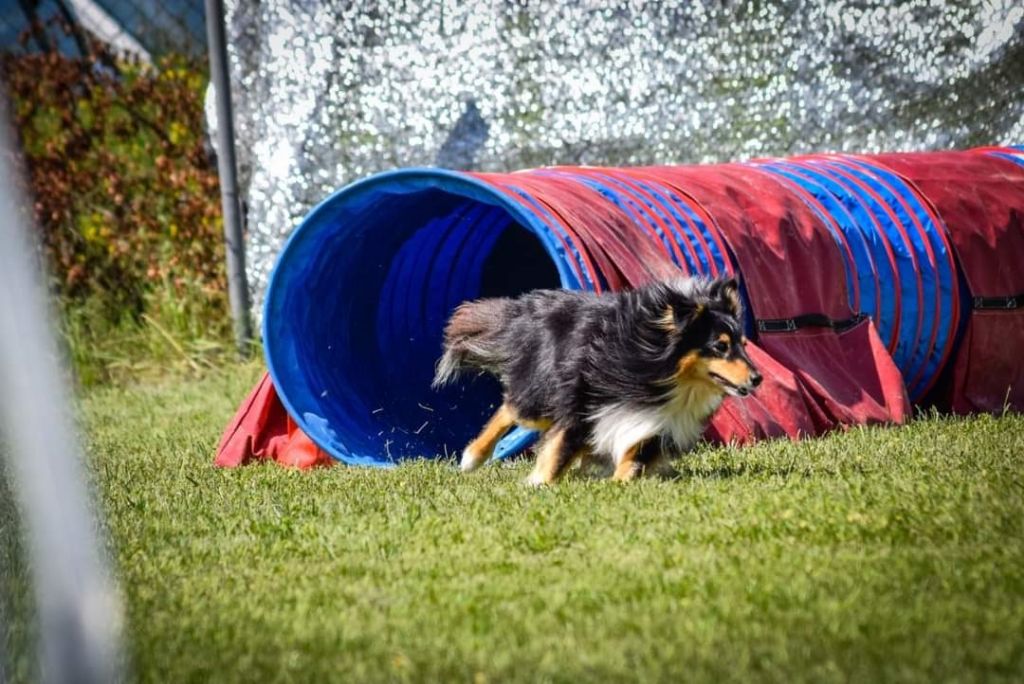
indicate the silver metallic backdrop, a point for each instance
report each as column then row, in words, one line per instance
column 327, row 92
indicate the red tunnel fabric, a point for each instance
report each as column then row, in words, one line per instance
column 795, row 267
column 605, row 228
column 825, row 365
column 262, row 430
column 778, row 409
column 980, row 197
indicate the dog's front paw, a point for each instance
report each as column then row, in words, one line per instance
column 470, row 460
column 537, row 480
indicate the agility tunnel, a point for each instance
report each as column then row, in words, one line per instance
column 871, row 284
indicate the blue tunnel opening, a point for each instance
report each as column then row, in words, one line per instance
column 357, row 303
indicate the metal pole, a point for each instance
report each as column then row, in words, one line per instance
column 238, row 288
column 76, row 599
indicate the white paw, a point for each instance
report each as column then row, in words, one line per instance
column 470, row 461
column 536, row 480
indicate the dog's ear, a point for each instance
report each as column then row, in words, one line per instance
column 685, row 314
column 727, row 291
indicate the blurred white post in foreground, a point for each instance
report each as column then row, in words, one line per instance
column 78, row 609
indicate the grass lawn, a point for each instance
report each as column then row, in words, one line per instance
column 877, row 554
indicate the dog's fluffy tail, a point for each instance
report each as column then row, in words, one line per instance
column 472, row 339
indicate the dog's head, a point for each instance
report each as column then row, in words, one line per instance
column 705, row 320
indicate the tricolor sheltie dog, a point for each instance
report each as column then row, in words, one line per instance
column 620, row 377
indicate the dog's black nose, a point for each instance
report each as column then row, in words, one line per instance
column 755, row 378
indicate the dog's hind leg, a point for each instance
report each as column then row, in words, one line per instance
column 628, row 466
column 557, row 452
column 481, row 448
column 655, row 460
column 648, row 458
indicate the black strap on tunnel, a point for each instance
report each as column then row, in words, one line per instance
column 999, row 303
column 777, row 325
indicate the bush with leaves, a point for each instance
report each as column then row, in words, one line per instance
column 124, row 190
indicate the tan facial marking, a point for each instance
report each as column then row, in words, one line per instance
column 736, row 371
column 689, row 365
column 725, row 338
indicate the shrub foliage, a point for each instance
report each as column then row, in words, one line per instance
column 123, row 185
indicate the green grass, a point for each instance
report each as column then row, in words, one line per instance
column 873, row 555
column 174, row 335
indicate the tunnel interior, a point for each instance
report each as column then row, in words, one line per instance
column 358, row 302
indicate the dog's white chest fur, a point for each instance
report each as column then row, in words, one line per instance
column 617, row 428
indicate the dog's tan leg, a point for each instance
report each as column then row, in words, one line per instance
column 555, row 455
column 628, row 467
column 481, row 448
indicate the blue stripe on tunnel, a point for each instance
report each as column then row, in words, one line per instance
column 623, row 202
column 1009, row 157
column 816, row 205
column 863, row 266
column 921, row 276
column 872, row 237
column 675, row 221
column 944, row 271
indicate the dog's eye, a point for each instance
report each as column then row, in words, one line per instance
column 721, row 347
